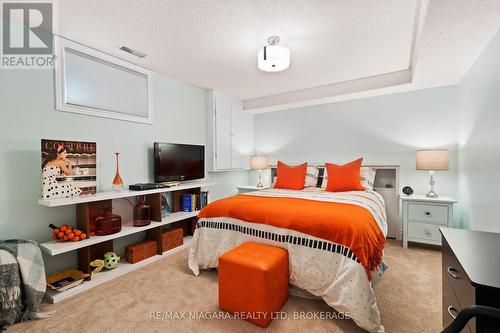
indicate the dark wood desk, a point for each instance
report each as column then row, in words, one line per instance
column 471, row 275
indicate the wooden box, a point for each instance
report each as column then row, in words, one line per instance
column 172, row 238
column 141, row 251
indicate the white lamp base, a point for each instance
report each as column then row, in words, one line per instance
column 431, row 193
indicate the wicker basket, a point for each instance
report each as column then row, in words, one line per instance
column 172, row 238
column 141, row 251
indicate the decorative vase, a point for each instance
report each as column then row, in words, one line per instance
column 142, row 213
column 117, row 181
column 108, row 224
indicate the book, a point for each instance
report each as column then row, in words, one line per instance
column 193, row 202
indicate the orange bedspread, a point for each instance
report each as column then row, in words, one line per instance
column 346, row 224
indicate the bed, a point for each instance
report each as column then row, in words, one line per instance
column 335, row 241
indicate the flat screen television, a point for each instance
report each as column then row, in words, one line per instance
column 174, row 162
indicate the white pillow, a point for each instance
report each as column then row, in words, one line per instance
column 312, row 174
column 366, row 176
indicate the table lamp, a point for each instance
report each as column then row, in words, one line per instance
column 432, row 160
column 259, row 162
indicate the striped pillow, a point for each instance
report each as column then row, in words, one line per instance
column 367, row 177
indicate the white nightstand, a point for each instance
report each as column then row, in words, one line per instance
column 423, row 216
column 250, row 188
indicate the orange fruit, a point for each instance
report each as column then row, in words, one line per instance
column 71, row 235
column 77, row 232
column 76, row 239
column 65, row 238
column 83, row 236
column 56, row 231
column 68, row 231
column 54, row 237
column 60, row 234
column 63, row 228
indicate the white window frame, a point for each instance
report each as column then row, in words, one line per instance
column 61, row 45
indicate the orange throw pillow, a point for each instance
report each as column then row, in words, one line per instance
column 344, row 177
column 291, row 177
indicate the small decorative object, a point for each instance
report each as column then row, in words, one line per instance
column 165, row 208
column 98, row 264
column 141, row 251
column 66, row 279
column 68, row 168
column 66, row 233
column 432, row 160
column 259, row 162
column 117, row 181
column 142, row 212
column 111, row 260
column 108, row 224
column 407, row 190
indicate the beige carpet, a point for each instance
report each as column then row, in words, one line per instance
column 409, row 298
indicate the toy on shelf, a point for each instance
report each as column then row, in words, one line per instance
column 66, row 233
column 98, row 264
column 111, row 260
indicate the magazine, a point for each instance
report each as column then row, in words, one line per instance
column 68, row 168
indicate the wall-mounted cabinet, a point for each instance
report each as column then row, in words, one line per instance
column 230, row 132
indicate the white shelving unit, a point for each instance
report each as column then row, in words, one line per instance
column 117, row 195
column 54, row 247
column 105, row 275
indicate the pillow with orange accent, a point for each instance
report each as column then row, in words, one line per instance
column 345, row 177
column 291, row 177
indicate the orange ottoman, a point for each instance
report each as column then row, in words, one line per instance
column 253, row 281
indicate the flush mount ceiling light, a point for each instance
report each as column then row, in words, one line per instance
column 273, row 58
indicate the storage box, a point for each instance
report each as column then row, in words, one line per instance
column 172, row 238
column 141, row 251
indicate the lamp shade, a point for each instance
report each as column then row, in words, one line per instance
column 258, row 162
column 432, row 159
column 273, row 58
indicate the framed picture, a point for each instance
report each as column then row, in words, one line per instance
column 68, row 168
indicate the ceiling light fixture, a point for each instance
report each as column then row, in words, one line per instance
column 136, row 53
column 273, row 58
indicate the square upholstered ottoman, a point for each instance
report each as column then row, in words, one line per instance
column 253, row 281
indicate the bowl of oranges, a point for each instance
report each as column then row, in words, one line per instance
column 67, row 233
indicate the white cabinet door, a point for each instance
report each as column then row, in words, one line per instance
column 222, row 134
column 242, row 137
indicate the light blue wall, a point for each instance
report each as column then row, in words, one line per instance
column 384, row 130
column 28, row 115
column 479, row 141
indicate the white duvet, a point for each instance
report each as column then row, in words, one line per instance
column 322, row 268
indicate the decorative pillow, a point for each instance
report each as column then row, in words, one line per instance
column 368, row 177
column 345, row 177
column 312, row 176
column 291, row 177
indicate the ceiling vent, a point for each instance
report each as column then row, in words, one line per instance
column 138, row 54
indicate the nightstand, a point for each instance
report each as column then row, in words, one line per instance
column 250, row 188
column 423, row 216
